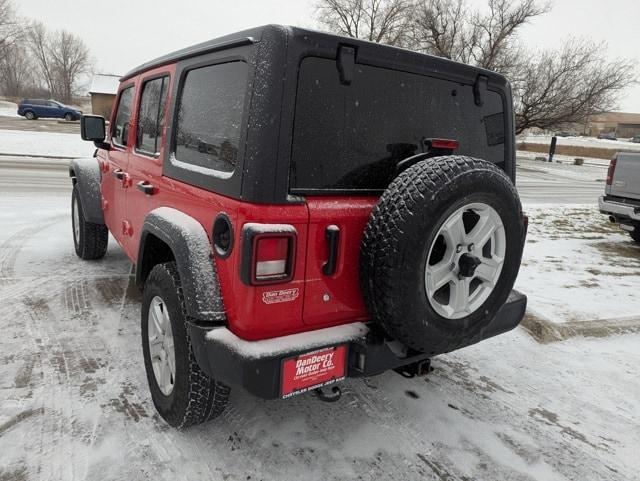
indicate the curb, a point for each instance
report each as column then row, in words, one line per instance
column 545, row 331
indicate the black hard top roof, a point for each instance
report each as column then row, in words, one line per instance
column 244, row 37
column 255, row 35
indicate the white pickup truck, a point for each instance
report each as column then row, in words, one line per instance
column 621, row 201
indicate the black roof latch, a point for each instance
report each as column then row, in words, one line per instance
column 480, row 89
column 346, row 63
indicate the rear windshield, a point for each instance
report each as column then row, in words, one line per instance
column 351, row 137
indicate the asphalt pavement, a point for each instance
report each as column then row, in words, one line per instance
column 544, row 183
column 537, row 183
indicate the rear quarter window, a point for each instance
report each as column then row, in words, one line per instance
column 351, row 137
column 209, row 119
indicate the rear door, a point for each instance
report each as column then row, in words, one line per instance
column 145, row 164
column 114, row 167
column 626, row 179
column 347, row 143
column 53, row 109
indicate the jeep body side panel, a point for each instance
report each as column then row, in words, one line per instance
column 190, row 245
column 143, row 166
column 86, row 176
column 247, row 313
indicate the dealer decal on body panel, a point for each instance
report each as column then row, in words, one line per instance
column 281, row 295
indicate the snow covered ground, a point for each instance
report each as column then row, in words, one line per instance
column 581, row 141
column 44, row 144
column 577, row 266
column 74, row 402
column 8, row 109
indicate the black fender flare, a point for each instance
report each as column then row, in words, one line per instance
column 192, row 252
column 85, row 174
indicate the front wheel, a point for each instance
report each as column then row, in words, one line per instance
column 90, row 240
column 68, row 117
column 635, row 233
column 182, row 393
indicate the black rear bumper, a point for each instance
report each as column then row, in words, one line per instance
column 256, row 365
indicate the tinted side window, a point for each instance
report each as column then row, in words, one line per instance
column 151, row 115
column 120, row 129
column 210, row 113
column 351, row 137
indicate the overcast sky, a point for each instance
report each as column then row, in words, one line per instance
column 124, row 33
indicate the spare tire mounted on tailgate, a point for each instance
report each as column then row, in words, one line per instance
column 441, row 251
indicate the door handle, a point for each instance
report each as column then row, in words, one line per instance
column 146, row 187
column 118, row 174
column 332, row 234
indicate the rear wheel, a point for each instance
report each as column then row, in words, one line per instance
column 89, row 239
column 182, row 393
column 441, row 252
column 29, row 115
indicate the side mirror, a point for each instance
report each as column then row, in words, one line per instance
column 92, row 128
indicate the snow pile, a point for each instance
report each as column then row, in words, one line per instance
column 577, row 266
column 8, row 109
column 580, row 142
column 22, row 142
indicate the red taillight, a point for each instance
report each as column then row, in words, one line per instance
column 444, row 144
column 268, row 253
column 271, row 257
column 611, row 171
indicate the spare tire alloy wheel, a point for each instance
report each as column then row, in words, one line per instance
column 441, row 252
column 161, row 349
column 464, row 268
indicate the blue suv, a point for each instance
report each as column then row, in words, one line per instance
column 34, row 108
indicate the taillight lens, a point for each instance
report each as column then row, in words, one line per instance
column 611, row 171
column 445, row 144
column 268, row 253
column 271, row 257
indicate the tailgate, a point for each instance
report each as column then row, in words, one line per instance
column 626, row 178
column 333, row 295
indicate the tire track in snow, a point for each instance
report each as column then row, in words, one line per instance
column 11, row 247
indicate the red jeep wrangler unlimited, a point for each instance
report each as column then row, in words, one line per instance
column 302, row 207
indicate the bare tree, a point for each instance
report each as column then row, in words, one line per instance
column 567, row 86
column 485, row 38
column 39, row 45
column 62, row 58
column 11, row 27
column 69, row 60
column 374, row 20
column 16, row 71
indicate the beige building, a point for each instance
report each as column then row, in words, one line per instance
column 623, row 124
column 103, row 93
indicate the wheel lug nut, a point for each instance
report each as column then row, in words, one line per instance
column 458, row 249
column 471, row 247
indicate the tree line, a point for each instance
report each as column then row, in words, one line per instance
column 35, row 61
column 551, row 89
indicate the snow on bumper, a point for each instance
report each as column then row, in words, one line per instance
column 257, row 365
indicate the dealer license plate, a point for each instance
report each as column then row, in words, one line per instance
column 312, row 370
